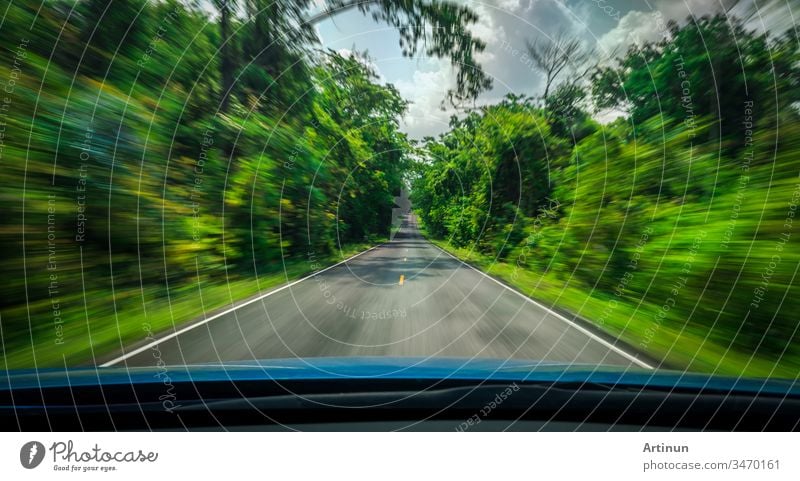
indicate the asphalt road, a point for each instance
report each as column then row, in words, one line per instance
column 403, row 298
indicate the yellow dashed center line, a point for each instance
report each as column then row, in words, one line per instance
column 402, row 278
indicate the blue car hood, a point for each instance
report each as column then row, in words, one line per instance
column 344, row 368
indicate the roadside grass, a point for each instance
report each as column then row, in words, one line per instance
column 96, row 325
column 628, row 320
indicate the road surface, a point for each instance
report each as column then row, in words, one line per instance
column 403, row 298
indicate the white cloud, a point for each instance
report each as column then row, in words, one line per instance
column 645, row 26
column 509, row 5
column 634, row 28
column 426, row 90
column 487, row 30
column 552, row 17
column 679, row 10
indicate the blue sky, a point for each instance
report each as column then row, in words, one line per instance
column 504, row 25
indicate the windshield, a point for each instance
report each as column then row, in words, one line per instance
column 563, row 186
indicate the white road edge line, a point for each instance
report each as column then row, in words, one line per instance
column 555, row 314
column 228, row 311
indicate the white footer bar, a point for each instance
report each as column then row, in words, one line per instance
column 401, row 456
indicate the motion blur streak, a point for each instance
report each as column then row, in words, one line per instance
column 163, row 162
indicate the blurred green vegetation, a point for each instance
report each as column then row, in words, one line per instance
column 139, row 188
column 159, row 161
column 672, row 227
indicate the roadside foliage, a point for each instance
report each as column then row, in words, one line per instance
column 128, row 192
column 673, row 226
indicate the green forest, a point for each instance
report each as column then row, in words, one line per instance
column 160, row 160
column 671, row 227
